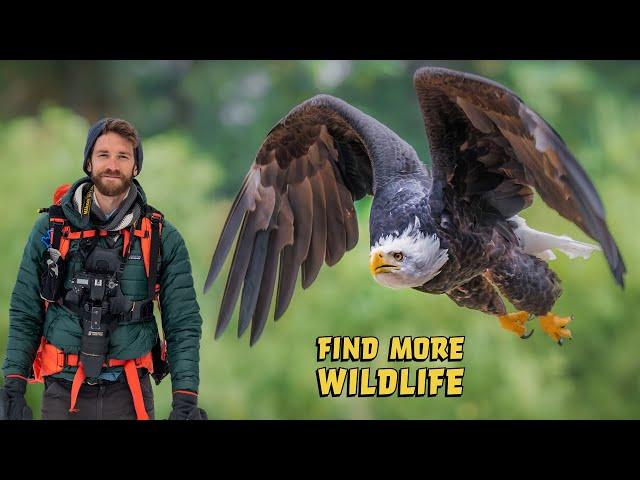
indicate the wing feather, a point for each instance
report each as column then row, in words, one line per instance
column 475, row 123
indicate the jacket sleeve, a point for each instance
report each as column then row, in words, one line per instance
column 26, row 310
column 181, row 319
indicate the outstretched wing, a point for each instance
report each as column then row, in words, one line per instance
column 296, row 206
column 488, row 145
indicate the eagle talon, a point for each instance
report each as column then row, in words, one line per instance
column 555, row 327
column 514, row 322
column 527, row 335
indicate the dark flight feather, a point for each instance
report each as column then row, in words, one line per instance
column 463, row 112
column 296, row 206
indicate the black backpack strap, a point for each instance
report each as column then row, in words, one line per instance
column 52, row 277
column 57, row 221
column 156, row 218
column 160, row 362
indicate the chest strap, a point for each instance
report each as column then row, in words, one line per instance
column 149, row 233
column 141, row 311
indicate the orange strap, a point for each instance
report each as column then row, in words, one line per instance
column 50, row 359
column 136, row 392
column 131, row 372
column 68, row 235
column 145, row 242
column 78, row 379
column 145, row 238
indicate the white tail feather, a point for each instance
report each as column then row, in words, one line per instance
column 540, row 244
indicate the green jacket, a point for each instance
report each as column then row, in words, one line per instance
column 181, row 319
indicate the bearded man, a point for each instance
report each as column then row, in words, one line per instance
column 81, row 314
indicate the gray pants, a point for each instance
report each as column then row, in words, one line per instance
column 110, row 401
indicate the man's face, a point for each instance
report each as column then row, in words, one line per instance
column 112, row 164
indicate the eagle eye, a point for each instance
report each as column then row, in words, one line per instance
column 398, row 256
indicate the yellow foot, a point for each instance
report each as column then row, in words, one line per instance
column 514, row 322
column 554, row 326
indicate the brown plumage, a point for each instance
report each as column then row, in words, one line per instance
column 293, row 205
column 505, row 138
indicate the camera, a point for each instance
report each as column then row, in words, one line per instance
column 97, row 290
column 95, row 285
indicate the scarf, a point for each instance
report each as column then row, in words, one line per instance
column 126, row 214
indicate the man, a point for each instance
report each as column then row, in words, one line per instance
column 81, row 314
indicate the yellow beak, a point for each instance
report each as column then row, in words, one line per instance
column 379, row 264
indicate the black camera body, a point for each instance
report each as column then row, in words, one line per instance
column 97, row 291
column 94, row 285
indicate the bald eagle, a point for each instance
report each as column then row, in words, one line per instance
column 451, row 230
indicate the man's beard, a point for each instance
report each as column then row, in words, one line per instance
column 110, row 187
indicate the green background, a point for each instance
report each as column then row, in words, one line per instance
column 202, row 123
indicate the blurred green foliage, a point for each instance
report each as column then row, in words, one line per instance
column 202, row 123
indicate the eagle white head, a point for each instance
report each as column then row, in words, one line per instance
column 407, row 259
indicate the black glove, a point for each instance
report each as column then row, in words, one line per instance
column 185, row 407
column 13, row 406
